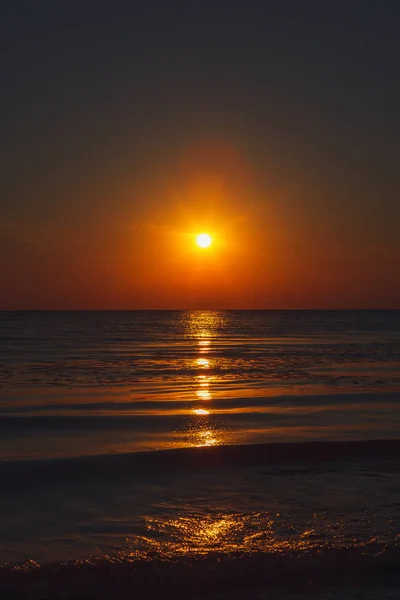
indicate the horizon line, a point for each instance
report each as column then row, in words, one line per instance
column 275, row 309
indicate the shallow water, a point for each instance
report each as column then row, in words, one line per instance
column 84, row 394
column 93, row 383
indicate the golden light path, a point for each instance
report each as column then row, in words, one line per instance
column 200, row 411
column 202, row 329
column 203, row 363
column 203, row 240
column 199, row 534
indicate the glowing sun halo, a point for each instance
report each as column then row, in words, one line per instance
column 203, row 240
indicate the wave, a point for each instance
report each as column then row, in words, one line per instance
column 21, row 472
column 227, row 403
column 225, row 575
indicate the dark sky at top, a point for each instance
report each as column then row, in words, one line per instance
column 94, row 91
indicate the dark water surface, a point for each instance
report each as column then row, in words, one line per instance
column 167, row 439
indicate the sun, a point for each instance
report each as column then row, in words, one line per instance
column 203, row 240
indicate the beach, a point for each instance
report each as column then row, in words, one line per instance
column 206, row 454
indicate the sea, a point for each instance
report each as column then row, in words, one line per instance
column 200, row 454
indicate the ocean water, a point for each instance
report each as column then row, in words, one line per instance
column 218, row 453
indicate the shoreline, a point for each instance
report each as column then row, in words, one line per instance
column 205, row 457
column 207, row 576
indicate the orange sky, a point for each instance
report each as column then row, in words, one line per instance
column 128, row 128
column 268, row 251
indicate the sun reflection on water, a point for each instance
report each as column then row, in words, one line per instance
column 203, row 363
column 206, row 437
column 204, row 387
column 200, row 411
column 204, row 324
column 203, row 394
column 201, row 329
column 199, row 534
column 204, row 346
column 201, row 431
